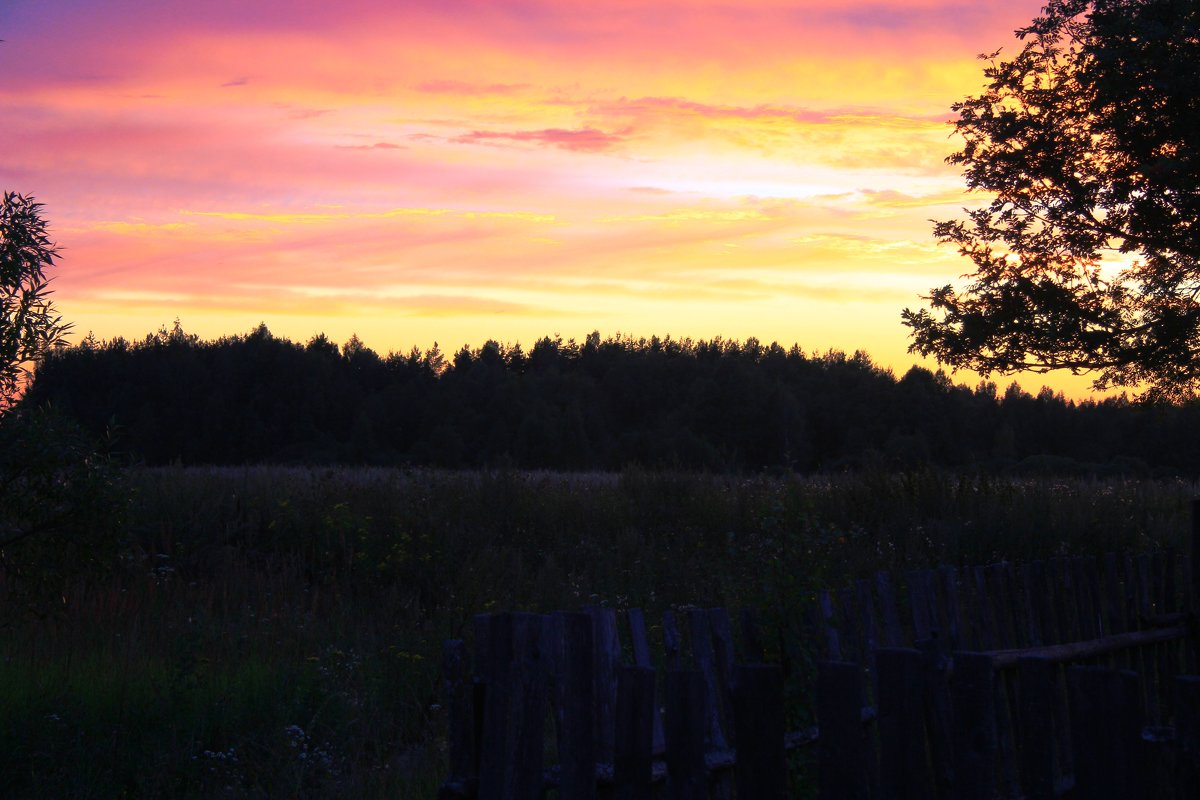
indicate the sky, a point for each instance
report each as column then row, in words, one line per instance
column 458, row 171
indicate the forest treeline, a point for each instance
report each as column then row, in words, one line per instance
column 599, row 404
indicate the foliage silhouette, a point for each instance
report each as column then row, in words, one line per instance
column 29, row 326
column 1088, row 257
column 603, row 404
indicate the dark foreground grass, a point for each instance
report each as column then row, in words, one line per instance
column 275, row 632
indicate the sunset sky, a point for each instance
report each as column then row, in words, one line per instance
column 456, row 171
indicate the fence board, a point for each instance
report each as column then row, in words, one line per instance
column 672, row 646
column 939, row 716
column 1000, row 594
column 607, row 651
column 984, row 618
column 845, row 760
column 893, row 636
column 687, row 777
column 1088, row 627
column 1114, row 608
column 1066, row 605
column 1030, row 608
column 974, row 727
column 576, row 690
column 1105, row 732
column 949, row 588
column 920, row 600
column 633, row 759
column 1043, row 603
column 849, row 622
column 511, row 760
column 702, row 652
column 903, row 756
column 833, row 645
column 759, row 723
column 642, row 658
column 1037, row 744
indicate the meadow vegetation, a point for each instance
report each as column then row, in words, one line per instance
column 275, row 632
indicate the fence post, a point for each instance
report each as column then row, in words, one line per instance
column 641, row 658
column 759, row 725
column 633, row 759
column 513, row 725
column 607, row 650
column 939, row 714
column 577, row 697
column 1038, row 699
column 687, row 772
column 974, row 726
column 904, row 753
column 1106, row 730
column 845, row 767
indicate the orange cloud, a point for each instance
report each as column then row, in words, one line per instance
column 585, row 140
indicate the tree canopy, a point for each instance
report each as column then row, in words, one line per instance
column 29, row 325
column 601, row 403
column 1087, row 257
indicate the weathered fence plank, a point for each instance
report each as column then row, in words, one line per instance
column 633, row 758
column 1106, row 729
column 983, row 616
column 1037, row 750
column 921, row 602
column 607, row 658
column 904, row 755
column 974, row 727
column 672, row 646
column 893, row 636
column 845, row 761
column 833, row 641
column 702, row 652
column 511, row 762
column 850, row 629
column 724, row 658
column 687, row 773
column 939, row 715
column 948, row 583
column 577, row 707
column 759, row 724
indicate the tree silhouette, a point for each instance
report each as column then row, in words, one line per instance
column 1088, row 257
column 29, row 327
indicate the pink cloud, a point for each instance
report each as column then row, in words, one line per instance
column 584, row 140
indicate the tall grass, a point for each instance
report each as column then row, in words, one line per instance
column 275, row 632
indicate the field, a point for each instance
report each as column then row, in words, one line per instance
column 275, row 632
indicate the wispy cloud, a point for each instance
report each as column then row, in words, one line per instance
column 468, row 88
column 584, row 140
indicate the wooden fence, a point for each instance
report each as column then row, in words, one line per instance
column 1067, row 678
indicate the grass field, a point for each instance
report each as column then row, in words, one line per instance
column 274, row 632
